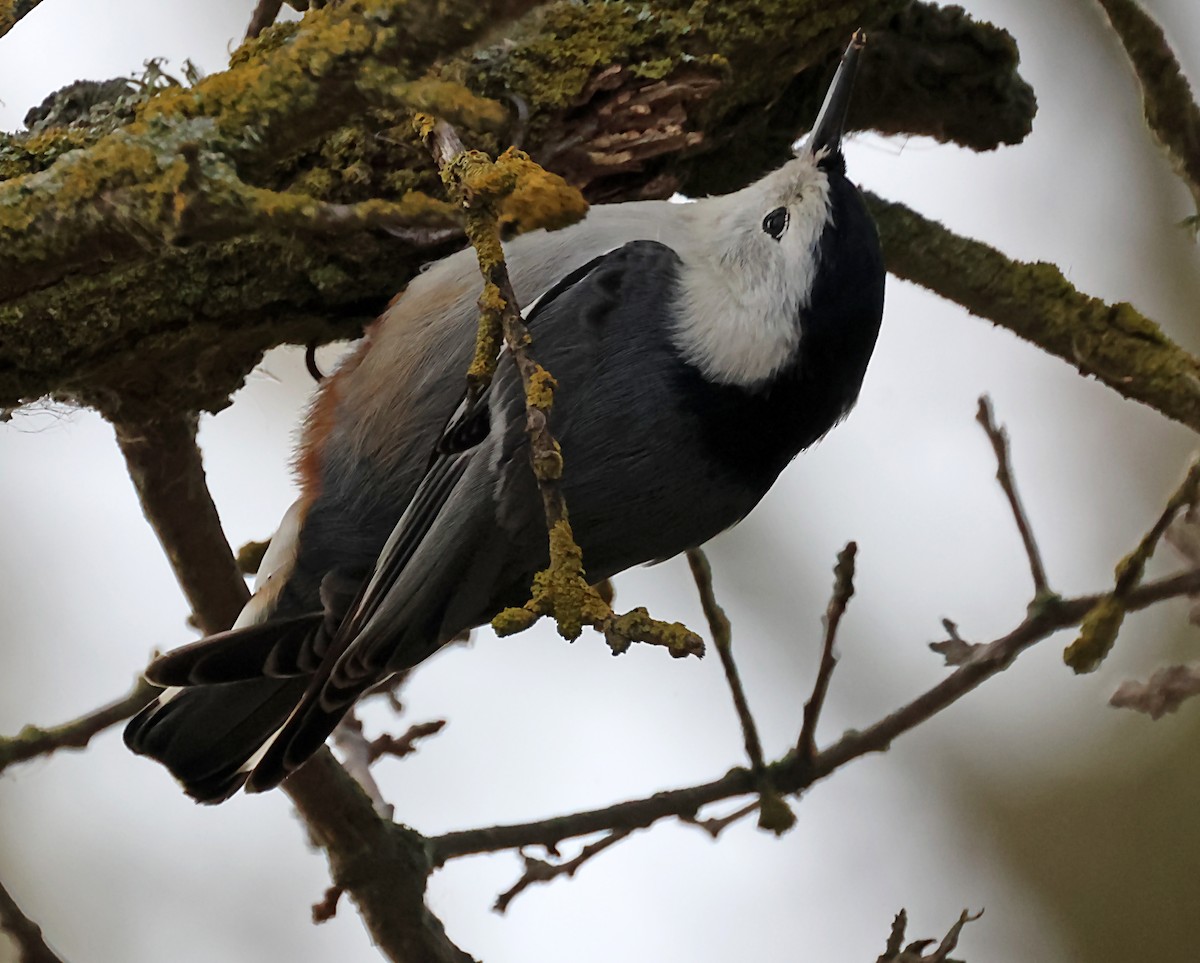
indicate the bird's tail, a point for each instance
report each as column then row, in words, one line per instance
column 207, row 735
column 239, row 688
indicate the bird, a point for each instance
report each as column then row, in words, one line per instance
column 698, row 348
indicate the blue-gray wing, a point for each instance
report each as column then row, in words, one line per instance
column 636, row 482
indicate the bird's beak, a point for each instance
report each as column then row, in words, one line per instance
column 831, row 121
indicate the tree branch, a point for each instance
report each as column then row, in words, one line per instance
column 33, row 741
column 914, row 952
column 722, row 633
column 794, row 774
column 1170, row 108
column 625, row 100
column 31, row 947
column 999, row 439
column 265, row 12
column 843, row 590
column 11, row 12
column 168, row 473
column 478, row 185
column 541, row 871
column 382, row 866
column 1100, row 627
column 773, row 811
column 1112, row 342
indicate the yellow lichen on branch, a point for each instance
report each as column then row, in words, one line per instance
column 479, row 187
column 1098, row 631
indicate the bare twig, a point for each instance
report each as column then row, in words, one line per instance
column 1171, row 110
column 326, row 909
column 722, row 633
column 31, row 946
column 406, row 744
column 264, row 15
column 381, row 865
column 716, row 825
column 843, row 590
column 541, row 871
column 773, row 811
column 955, row 650
column 1099, row 629
column 999, row 439
column 914, row 952
column 793, row 774
column 357, row 758
column 33, row 741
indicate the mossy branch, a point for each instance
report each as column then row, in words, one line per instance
column 479, row 186
column 1115, row 343
column 1171, row 110
column 11, row 12
column 626, row 102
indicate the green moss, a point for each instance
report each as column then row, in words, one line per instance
column 539, row 393
column 1096, row 636
column 512, row 620
column 270, row 39
column 538, row 199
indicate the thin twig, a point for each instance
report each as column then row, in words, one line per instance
column 843, row 590
column 914, row 952
column 999, row 439
column 33, row 741
column 722, row 633
column 406, row 744
column 793, row 774
column 541, row 871
column 326, row 909
column 1099, row 630
column 357, row 758
column 31, row 946
column 716, row 825
column 955, row 649
column 773, row 811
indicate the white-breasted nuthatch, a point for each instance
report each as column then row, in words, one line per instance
column 698, row 348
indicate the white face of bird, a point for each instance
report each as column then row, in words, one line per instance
column 750, row 273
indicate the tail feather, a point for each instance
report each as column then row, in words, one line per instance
column 278, row 649
column 302, row 735
column 206, row 735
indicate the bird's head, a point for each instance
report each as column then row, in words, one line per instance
column 793, row 253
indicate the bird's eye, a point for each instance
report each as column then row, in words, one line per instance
column 776, row 222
